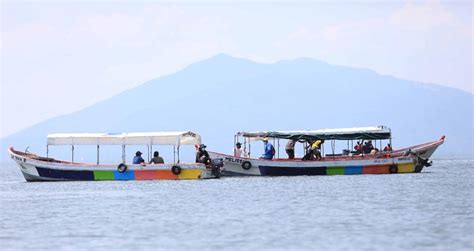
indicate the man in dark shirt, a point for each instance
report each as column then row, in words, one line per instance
column 157, row 159
column 202, row 156
column 138, row 158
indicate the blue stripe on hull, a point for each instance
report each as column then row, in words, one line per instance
column 353, row 170
column 65, row 174
column 291, row 171
column 124, row 176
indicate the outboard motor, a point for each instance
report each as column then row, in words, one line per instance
column 425, row 162
column 217, row 165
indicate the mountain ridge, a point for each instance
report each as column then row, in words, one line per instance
column 244, row 89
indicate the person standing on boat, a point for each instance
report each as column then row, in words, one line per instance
column 238, row 150
column 138, row 158
column 269, row 150
column 157, row 159
column 290, row 149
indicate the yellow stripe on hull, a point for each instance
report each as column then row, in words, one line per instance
column 190, row 174
column 406, row 168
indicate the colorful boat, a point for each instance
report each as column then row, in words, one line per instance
column 37, row 168
column 406, row 160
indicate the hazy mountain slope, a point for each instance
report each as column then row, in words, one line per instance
column 222, row 95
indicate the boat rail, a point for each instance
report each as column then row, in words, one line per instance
column 35, row 157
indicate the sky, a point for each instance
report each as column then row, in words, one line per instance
column 58, row 57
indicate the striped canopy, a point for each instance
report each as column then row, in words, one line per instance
column 372, row 133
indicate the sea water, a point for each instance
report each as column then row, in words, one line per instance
column 432, row 210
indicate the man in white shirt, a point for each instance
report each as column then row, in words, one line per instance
column 238, row 150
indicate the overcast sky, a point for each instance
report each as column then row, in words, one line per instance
column 60, row 57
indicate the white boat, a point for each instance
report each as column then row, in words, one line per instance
column 406, row 160
column 37, row 168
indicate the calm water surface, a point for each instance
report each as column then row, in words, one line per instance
column 432, row 210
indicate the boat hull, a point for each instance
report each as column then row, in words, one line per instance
column 407, row 160
column 235, row 166
column 38, row 170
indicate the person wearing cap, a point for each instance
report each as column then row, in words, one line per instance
column 269, row 150
column 138, row 158
column 202, row 156
column 157, row 159
column 238, row 150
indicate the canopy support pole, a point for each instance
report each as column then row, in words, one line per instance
column 323, row 150
column 246, row 153
column 174, row 154
column 148, row 152
column 178, row 153
column 278, row 149
column 235, row 139
column 47, row 151
column 97, row 154
column 72, row 153
column 249, row 148
column 333, row 147
column 123, row 154
column 391, row 146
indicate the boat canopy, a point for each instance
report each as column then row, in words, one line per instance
column 135, row 138
column 372, row 133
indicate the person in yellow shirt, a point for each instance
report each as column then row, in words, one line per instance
column 316, row 149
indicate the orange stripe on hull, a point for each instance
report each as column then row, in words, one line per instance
column 382, row 169
column 154, row 175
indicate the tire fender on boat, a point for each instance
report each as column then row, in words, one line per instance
column 122, row 167
column 246, row 165
column 176, row 170
column 393, row 169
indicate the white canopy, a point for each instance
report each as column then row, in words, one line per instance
column 136, row 138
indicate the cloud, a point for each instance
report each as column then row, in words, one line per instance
column 422, row 17
column 425, row 34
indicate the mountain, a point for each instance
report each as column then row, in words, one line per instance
column 222, row 95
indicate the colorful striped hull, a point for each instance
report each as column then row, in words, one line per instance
column 236, row 166
column 36, row 168
column 87, row 175
column 339, row 170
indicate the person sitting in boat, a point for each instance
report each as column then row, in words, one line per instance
column 388, row 148
column 368, row 147
column 157, row 159
column 269, row 150
column 290, row 149
column 202, row 156
column 374, row 151
column 358, row 147
column 138, row 158
column 309, row 153
column 238, row 150
column 313, row 150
